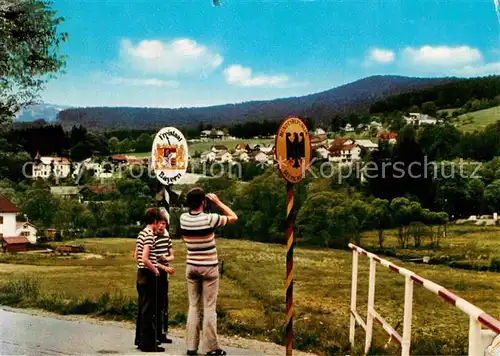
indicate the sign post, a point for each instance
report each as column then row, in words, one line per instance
column 293, row 155
column 169, row 160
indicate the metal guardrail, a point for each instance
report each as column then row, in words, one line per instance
column 479, row 338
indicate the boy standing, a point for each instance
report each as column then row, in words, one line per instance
column 164, row 254
column 202, row 272
column 147, row 279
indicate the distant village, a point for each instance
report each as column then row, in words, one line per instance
column 17, row 236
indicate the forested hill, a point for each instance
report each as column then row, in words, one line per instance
column 355, row 97
column 448, row 95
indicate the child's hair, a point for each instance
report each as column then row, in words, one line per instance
column 153, row 215
column 194, row 198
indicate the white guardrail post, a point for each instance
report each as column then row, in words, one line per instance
column 481, row 340
column 405, row 345
column 371, row 304
column 474, row 338
column 354, row 291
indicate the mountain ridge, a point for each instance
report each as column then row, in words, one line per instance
column 354, row 97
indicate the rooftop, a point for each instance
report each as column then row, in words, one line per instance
column 6, row 206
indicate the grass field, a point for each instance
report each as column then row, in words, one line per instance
column 469, row 245
column 480, row 119
column 205, row 146
column 252, row 292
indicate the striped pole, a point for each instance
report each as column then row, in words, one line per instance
column 289, row 269
column 163, row 202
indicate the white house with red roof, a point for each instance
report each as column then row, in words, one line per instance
column 42, row 167
column 8, row 213
column 14, row 236
column 344, row 154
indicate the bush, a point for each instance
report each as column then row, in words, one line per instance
column 495, row 264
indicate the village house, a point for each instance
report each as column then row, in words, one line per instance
column 96, row 193
column 321, row 151
column 43, row 166
column 118, row 159
column 242, row 156
column 205, row 133
column 8, row 213
column 317, row 141
column 348, row 128
column 10, row 240
column 207, row 156
column 341, row 141
column 267, row 149
column 367, row 144
column 27, row 230
column 223, row 157
column 262, row 158
column 344, row 154
column 219, row 148
column 240, row 148
column 253, row 147
column 420, row 119
column 219, row 135
column 388, row 136
column 137, row 161
column 319, row 132
column 376, row 125
column 68, row 192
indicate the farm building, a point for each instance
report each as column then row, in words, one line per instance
column 14, row 244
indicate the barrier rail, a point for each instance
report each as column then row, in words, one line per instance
column 479, row 339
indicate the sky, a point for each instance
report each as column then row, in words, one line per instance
column 185, row 53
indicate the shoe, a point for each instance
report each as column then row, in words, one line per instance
column 216, row 352
column 165, row 340
column 154, row 349
column 192, row 352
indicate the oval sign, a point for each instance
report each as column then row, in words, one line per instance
column 169, row 156
column 293, row 149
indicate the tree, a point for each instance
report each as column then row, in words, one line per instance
column 78, row 135
column 492, row 196
column 143, row 143
column 126, row 145
column 429, row 108
column 114, row 145
column 80, row 151
column 380, row 218
column 40, row 206
column 440, row 142
column 30, row 41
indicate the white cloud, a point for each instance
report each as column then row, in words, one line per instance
column 380, row 55
column 441, row 56
column 242, row 76
column 143, row 82
column 180, row 56
column 478, row 70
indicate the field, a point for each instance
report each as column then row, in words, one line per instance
column 471, row 247
column 252, row 299
column 479, row 119
column 205, row 146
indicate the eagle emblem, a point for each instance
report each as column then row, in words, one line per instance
column 295, row 148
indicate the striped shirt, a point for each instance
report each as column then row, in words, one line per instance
column 198, row 234
column 163, row 245
column 145, row 238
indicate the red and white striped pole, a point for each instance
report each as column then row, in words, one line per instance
column 289, row 269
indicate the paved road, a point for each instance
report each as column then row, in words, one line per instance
column 24, row 334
